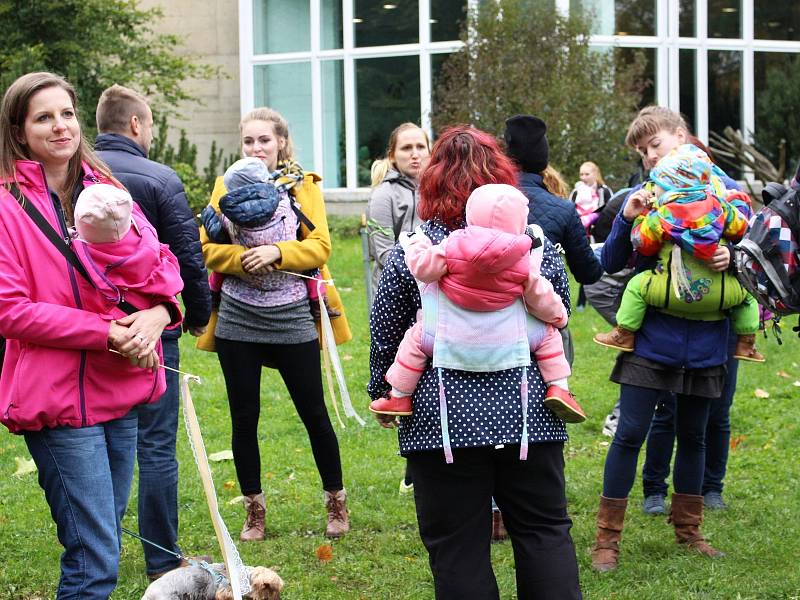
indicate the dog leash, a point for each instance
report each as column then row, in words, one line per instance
column 219, row 578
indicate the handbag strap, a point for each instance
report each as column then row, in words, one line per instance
column 60, row 243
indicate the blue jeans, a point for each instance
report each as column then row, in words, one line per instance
column 158, row 470
column 86, row 477
column 661, row 438
column 636, row 413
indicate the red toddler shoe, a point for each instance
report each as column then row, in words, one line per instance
column 392, row 406
column 563, row 404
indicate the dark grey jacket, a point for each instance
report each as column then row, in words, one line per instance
column 159, row 193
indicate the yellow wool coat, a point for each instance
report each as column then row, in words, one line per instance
column 309, row 252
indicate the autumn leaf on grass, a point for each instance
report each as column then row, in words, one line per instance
column 230, row 484
column 24, row 466
column 759, row 393
column 783, row 374
column 737, row 440
column 324, row 553
column 219, row 456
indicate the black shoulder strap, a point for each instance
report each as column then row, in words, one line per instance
column 60, row 243
column 300, row 216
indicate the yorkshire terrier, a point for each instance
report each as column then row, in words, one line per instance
column 196, row 583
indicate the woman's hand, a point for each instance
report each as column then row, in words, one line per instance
column 720, row 260
column 637, row 203
column 144, row 329
column 259, row 260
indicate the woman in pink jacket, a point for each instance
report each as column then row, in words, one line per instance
column 72, row 399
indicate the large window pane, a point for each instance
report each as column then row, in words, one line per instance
column 725, row 93
column 333, row 132
column 446, row 19
column 619, row 17
column 385, row 22
column 687, row 63
column 725, row 18
column 331, row 19
column 274, row 30
column 287, row 89
column 387, row 94
column 686, row 25
column 627, row 56
column 777, row 19
column 776, row 106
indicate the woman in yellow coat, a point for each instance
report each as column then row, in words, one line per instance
column 271, row 322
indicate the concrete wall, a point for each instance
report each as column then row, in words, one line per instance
column 210, row 30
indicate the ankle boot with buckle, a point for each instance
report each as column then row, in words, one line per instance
column 746, row 348
column 618, row 338
column 686, row 514
column 253, row 528
column 610, row 517
column 338, row 522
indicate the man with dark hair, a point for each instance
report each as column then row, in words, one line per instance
column 125, row 123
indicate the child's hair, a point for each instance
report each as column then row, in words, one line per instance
column 651, row 120
column 381, row 166
column 554, row 182
column 598, row 175
column 279, row 126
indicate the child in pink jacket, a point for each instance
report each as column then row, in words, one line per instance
column 485, row 267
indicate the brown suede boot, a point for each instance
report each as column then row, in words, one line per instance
column 618, row 338
column 253, row 528
column 746, row 348
column 686, row 514
column 499, row 531
column 338, row 522
column 610, row 516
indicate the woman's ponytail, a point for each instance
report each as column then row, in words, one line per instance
column 379, row 170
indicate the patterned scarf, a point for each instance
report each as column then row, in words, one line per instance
column 288, row 174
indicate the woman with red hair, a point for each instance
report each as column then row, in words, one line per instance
column 480, row 418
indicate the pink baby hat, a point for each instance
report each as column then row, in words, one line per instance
column 103, row 213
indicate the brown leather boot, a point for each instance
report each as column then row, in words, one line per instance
column 338, row 523
column 746, row 348
column 686, row 514
column 253, row 528
column 618, row 338
column 610, row 516
column 499, row 531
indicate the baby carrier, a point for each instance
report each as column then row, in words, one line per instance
column 505, row 341
column 766, row 259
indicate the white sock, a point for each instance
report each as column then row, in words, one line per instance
column 562, row 383
column 398, row 394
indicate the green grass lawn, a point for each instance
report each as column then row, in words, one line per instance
column 383, row 557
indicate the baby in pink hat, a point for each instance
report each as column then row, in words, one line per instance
column 121, row 251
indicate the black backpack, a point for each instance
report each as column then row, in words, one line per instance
column 767, row 258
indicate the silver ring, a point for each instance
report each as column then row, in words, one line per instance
column 141, row 337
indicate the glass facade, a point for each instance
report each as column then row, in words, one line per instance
column 346, row 72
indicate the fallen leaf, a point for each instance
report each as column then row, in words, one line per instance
column 229, row 485
column 24, row 466
column 219, row 456
column 737, row 440
column 291, row 476
column 346, row 357
column 345, row 289
column 334, row 578
column 796, row 384
column 324, row 553
column 759, row 393
column 782, row 374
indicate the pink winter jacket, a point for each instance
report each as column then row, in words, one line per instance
column 57, row 368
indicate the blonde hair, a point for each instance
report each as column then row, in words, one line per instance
column 14, row 111
column 116, row 106
column 651, row 120
column 554, row 182
column 279, row 126
column 598, row 175
column 381, row 166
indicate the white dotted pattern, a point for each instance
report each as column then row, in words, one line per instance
column 483, row 409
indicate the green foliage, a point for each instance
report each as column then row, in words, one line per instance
column 777, row 115
column 183, row 159
column 94, row 44
column 522, row 57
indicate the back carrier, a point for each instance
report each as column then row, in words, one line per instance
column 767, row 257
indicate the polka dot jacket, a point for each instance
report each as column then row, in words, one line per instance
column 483, row 409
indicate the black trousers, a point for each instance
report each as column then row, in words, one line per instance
column 299, row 367
column 454, row 512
